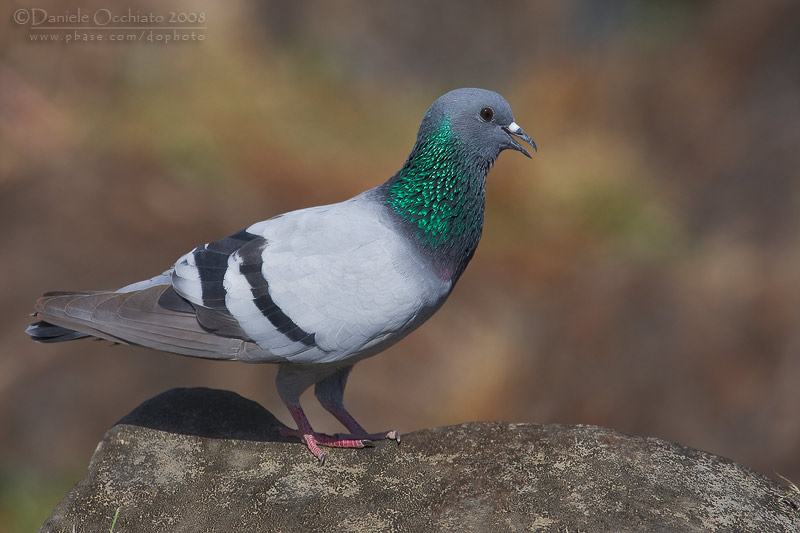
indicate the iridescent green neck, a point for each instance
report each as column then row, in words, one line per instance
column 439, row 192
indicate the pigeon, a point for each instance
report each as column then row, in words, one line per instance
column 318, row 289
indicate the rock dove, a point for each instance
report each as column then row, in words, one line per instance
column 318, row 289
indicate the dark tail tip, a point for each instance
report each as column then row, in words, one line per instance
column 45, row 332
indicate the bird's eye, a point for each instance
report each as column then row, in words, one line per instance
column 487, row 114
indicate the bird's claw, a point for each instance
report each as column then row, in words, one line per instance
column 393, row 435
column 314, row 440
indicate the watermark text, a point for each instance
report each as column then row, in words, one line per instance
column 111, row 25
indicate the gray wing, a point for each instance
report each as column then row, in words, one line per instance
column 316, row 285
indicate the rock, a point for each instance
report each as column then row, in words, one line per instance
column 207, row 460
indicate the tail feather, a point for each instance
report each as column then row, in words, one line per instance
column 45, row 332
column 131, row 318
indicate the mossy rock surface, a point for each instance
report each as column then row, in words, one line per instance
column 209, row 460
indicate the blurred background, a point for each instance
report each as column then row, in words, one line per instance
column 641, row 273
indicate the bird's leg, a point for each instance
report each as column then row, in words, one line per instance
column 303, row 431
column 330, row 393
column 313, row 439
column 291, row 383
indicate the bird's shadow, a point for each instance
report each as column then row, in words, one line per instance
column 210, row 413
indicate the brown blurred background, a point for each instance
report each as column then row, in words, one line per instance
column 641, row 273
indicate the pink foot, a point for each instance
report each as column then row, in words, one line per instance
column 313, row 440
column 358, row 438
column 331, row 441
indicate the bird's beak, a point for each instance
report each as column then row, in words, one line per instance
column 514, row 129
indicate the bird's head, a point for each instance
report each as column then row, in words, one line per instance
column 481, row 120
